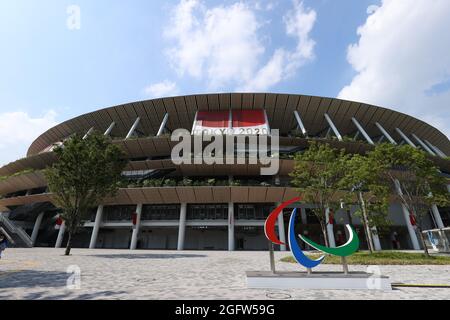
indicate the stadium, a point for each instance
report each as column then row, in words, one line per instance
column 167, row 205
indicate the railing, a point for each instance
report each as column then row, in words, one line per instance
column 16, row 230
column 7, row 223
column 437, row 239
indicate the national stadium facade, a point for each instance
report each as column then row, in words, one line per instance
column 164, row 205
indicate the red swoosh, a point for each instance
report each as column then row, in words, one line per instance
column 269, row 225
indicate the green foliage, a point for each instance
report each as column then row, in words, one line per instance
column 364, row 176
column 19, row 173
column 381, row 258
column 348, row 139
column 170, row 183
column 286, row 156
column 296, row 134
column 149, row 183
column 186, row 182
column 85, row 172
column 421, row 182
column 316, row 175
column 222, row 183
column 415, row 175
column 235, row 183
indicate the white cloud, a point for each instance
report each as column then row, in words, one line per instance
column 161, row 89
column 223, row 44
column 401, row 57
column 285, row 63
column 372, row 8
column 18, row 130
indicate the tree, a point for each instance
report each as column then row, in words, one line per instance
column 364, row 181
column 418, row 182
column 317, row 174
column 86, row 171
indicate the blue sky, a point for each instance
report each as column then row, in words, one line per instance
column 138, row 49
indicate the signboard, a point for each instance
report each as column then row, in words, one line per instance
column 231, row 122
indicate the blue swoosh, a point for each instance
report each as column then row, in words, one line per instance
column 297, row 252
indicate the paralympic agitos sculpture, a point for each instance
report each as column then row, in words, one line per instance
column 345, row 250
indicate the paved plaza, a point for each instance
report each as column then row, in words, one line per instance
column 42, row 273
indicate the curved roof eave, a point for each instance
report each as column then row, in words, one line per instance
column 279, row 109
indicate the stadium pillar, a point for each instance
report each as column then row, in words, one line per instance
column 405, row 137
column 362, row 131
column 163, row 125
column 406, row 214
column 333, row 127
column 110, row 128
column 36, row 227
column 411, row 231
column 437, row 216
column 88, row 133
column 98, row 220
column 376, row 239
column 385, row 133
column 330, row 231
column 60, row 238
column 230, row 226
column 133, row 128
column 281, row 232
column 182, row 226
column 136, row 227
column 423, row 145
column 303, row 216
column 435, row 149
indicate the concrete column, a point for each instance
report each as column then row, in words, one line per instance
column 163, row 125
column 404, row 136
column 333, row 127
column 59, row 240
column 36, row 227
column 88, row 133
column 300, row 123
column 363, row 132
column 133, row 128
column 376, row 239
column 230, row 226
column 182, row 226
column 411, row 231
column 303, row 216
column 330, row 230
column 98, row 221
column 134, row 236
column 385, row 133
column 423, row 145
column 110, row 128
column 437, row 216
column 277, row 180
column 281, row 232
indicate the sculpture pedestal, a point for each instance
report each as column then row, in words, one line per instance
column 317, row 280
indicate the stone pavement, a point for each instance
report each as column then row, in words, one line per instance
column 41, row 273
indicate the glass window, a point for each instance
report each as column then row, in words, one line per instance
column 161, row 212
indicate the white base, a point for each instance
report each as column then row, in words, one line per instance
column 316, row 280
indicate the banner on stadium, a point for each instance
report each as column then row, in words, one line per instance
column 234, row 122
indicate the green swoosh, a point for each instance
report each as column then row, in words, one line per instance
column 345, row 250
